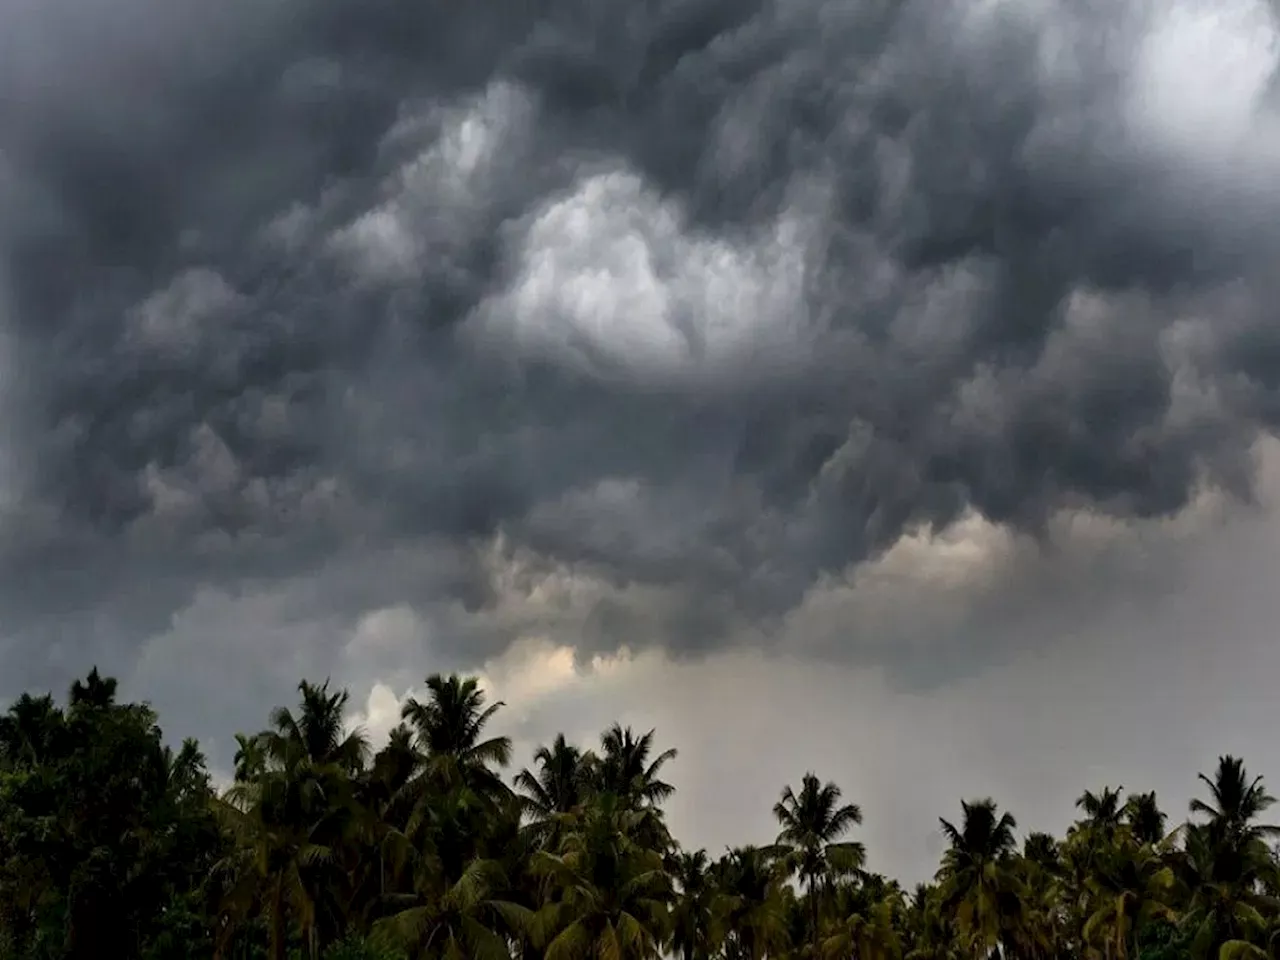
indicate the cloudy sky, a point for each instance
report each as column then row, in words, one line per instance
column 882, row 387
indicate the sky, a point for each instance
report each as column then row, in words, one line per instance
column 887, row 388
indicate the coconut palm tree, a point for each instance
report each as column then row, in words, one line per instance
column 624, row 767
column 1145, row 818
column 29, row 729
column 264, row 872
column 1224, row 905
column 461, row 917
column 450, row 726
column 1132, row 886
column 752, row 907
column 1226, row 862
column 1235, row 802
column 867, row 928
column 560, row 784
column 980, row 887
column 813, row 822
column 928, row 928
column 317, row 735
column 606, row 894
column 291, row 808
column 1103, row 810
column 692, row 911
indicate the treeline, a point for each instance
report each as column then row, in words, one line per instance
column 114, row 845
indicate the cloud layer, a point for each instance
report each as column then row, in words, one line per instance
column 877, row 333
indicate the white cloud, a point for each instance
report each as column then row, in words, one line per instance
column 432, row 201
column 1199, row 95
column 378, row 715
column 612, row 280
column 1202, row 70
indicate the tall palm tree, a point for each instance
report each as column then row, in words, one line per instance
column 1146, row 819
column 606, row 892
column 1226, row 862
column 461, row 917
column 867, row 928
column 1224, row 905
column 317, row 734
column 624, row 767
column 980, row 888
column 450, row 732
column 1131, row 887
column 813, row 822
column 1042, row 850
column 1235, row 801
column 94, row 692
column 692, row 912
column 395, row 764
column 29, row 729
column 250, row 757
column 752, row 907
column 560, row 784
column 291, row 808
column 929, row 934
column 278, row 834
column 1103, row 810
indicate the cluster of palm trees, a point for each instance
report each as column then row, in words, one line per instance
column 425, row 851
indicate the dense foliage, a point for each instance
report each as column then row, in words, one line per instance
column 114, row 845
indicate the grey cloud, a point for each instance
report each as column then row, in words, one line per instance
column 704, row 299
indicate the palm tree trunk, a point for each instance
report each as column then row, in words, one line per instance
column 813, row 908
column 277, row 921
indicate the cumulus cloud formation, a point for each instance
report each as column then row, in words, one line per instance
column 351, row 336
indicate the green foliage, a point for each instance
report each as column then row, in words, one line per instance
column 362, row 948
column 105, row 834
column 114, row 845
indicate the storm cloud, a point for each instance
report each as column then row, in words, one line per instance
column 619, row 322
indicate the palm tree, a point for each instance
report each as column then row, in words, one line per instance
column 812, row 824
column 1225, row 862
column 1039, row 872
column 450, row 726
column 929, row 935
column 692, row 916
column 94, row 692
column 29, row 729
column 1224, row 906
column 1042, row 850
column 1235, row 801
column 1131, row 887
column 752, row 906
column 317, row 735
column 251, row 756
column 606, row 892
column 868, row 928
column 265, row 872
column 454, row 918
column 291, row 807
column 560, row 784
column 1146, row 819
column 1103, row 811
column 624, row 768
column 980, row 888
column 396, row 763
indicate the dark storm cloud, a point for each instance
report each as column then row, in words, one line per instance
column 264, row 268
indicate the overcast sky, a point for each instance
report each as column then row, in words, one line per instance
column 882, row 387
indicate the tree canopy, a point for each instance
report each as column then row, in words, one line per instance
column 113, row 844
